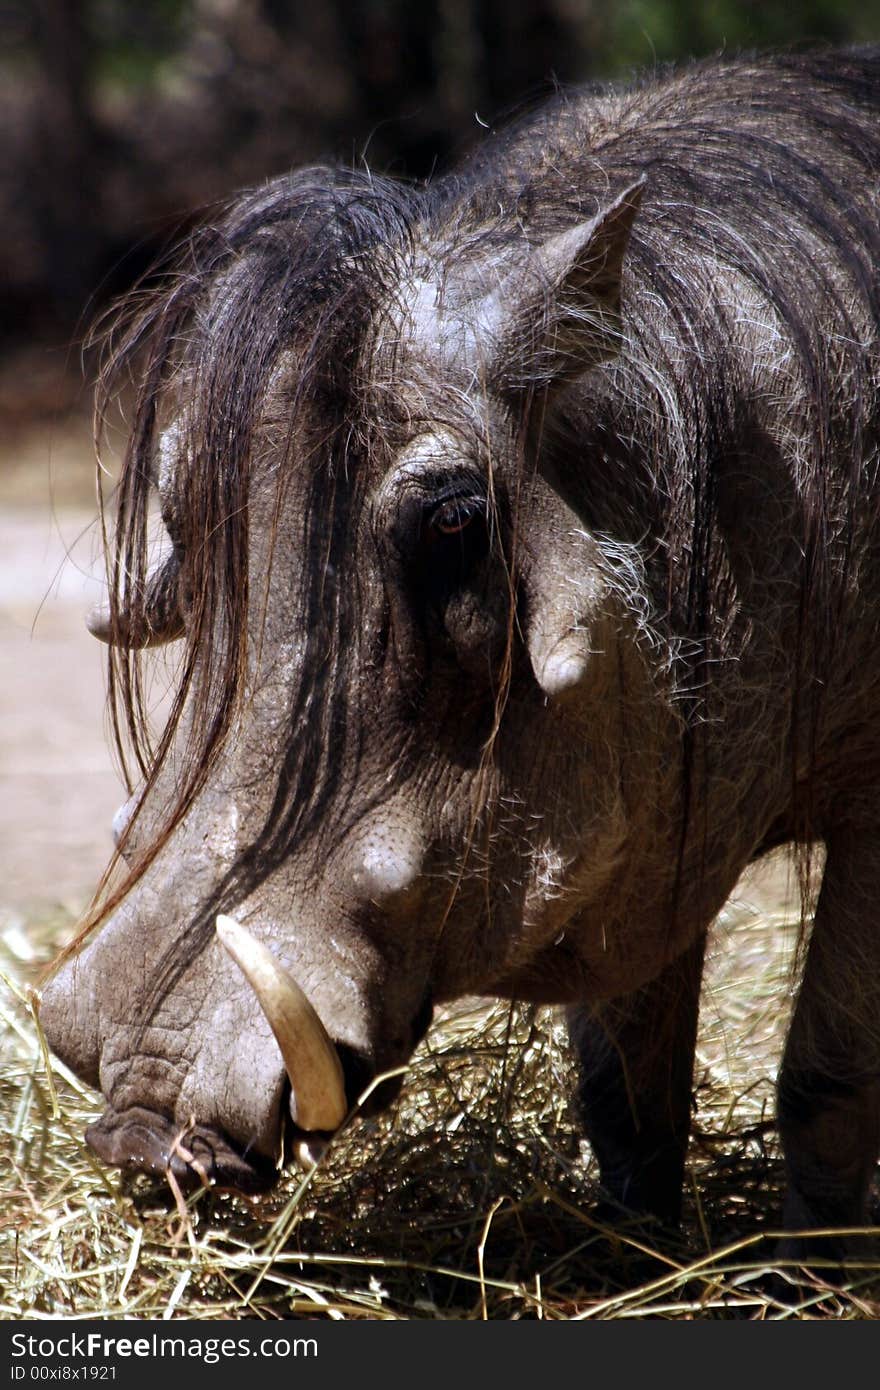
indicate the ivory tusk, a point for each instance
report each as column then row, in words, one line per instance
column 312, row 1062
column 159, row 621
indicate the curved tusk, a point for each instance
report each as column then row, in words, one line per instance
column 160, row 620
column 312, row 1062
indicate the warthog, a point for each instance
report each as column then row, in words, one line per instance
column 524, row 558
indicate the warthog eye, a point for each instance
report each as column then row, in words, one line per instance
column 441, row 532
column 455, row 537
column 451, row 518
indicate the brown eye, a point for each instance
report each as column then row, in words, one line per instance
column 455, row 516
column 453, row 540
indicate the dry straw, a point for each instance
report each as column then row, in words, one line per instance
column 473, row 1198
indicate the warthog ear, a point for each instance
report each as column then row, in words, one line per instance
column 156, row 620
column 560, row 315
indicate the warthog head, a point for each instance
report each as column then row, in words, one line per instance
column 400, row 764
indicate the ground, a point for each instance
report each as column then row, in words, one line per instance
column 58, row 786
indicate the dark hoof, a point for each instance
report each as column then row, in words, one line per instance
column 810, row 1265
column 140, row 1140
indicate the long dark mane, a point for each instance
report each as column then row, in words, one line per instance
column 283, row 268
column 762, row 168
column 761, row 186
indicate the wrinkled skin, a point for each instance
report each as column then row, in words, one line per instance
column 547, row 789
column 383, row 926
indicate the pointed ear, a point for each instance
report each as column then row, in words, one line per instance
column 561, row 315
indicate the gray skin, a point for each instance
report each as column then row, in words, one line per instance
column 386, row 920
column 543, row 859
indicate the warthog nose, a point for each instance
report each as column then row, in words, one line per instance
column 387, row 862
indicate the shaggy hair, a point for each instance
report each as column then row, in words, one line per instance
column 761, row 178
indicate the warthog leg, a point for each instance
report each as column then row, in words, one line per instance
column 637, row 1056
column 829, row 1086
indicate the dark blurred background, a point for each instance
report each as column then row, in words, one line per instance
column 119, row 118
